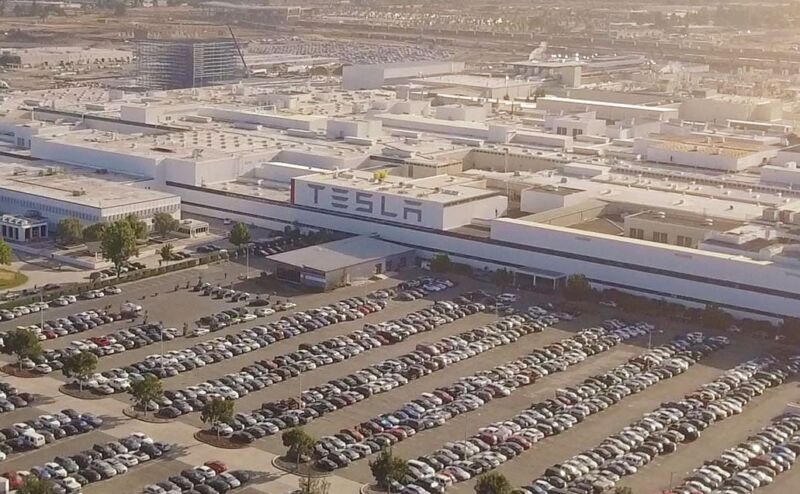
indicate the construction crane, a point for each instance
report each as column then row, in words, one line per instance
column 239, row 49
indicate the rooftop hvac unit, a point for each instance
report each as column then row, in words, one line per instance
column 708, row 222
column 661, row 214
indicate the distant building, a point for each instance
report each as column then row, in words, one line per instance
column 186, row 63
column 376, row 75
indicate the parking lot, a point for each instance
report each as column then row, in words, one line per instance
column 172, row 308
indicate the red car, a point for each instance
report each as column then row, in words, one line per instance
column 217, row 466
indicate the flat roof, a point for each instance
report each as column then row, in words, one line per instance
column 439, row 188
column 340, row 254
column 609, row 104
column 75, row 185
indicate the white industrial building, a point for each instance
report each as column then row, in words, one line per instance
column 56, row 193
column 374, row 76
column 556, row 190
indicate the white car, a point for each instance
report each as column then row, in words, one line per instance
column 206, row 472
column 200, row 331
column 55, row 470
column 43, row 369
column 128, row 459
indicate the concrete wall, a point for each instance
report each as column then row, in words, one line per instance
column 119, row 161
column 720, row 110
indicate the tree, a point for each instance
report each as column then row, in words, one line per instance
column 94, row 233
column 164, row 223
column 138, row 226
column 441, row 263
column 119, row 243
column 623, row 490
column 148, row 389
column 493, row 483
column 300, row 443
column 69, row 231
column 23, row 343
column 240, row 234
column 716, row 318
column 5, row 253
column 217, row 411
column 388, row 469
column 312, row 485
column 166, row 252
column 80, row 365
column 578, row 287
column 33, row 485
column 380, row 175
column 502, row 278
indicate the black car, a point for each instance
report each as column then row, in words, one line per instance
column 90, row 474
column 193, row 476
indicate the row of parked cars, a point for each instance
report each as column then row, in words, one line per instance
column 11, row 398
column 662, row 431
column 274, row 416
column 419, row 288
column 69, row 474
column 466, row 394
column 45, row 429
column 126, row 267
column 264, row 373
column 212, row 477
column 224, row 348
column 103, row 345
column 22, row 310
column 750, row 464
column 499, row 442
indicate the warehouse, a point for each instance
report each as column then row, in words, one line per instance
column 56, row 193
column 328, row 266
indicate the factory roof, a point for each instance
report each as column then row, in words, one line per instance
column 473, row 81
column 439, row 188
column 732, row 147
column 340, row 254
column 695, row 221
column 75, row 185
column 609, row 104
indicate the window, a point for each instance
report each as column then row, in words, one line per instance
column 637, row 233
column 660, row 237
column 562, row 131
column 577, row 132
column 685, row 241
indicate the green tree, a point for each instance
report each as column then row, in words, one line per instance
column 388, row 469
column 148, row 389
column 217, row 411
column 502, row 278
column 164, row 223
column 23, row 343
column 94, row 233
column 240, row 234
column 119, row 243
column 5, row 253
column 493, row 483
column 578, row 288
column 716, row 318
column 138, row 226
column 440, row 263
column 80, row 365
column 33, row 485
column 300, row 443
column 69, row 231
column 313, row 485
column 166, row 252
